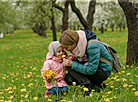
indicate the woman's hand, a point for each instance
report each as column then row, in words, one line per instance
column 67, row 62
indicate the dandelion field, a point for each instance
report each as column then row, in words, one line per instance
column 22, row 58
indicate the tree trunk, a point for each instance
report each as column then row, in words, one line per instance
column 42, row 29
column 102, row 28
column 124, row 26
column 79, row 15
column 65, row 14
column 120, row 25
column 112, row 27
column 35, row 29
column 91, row 12
column 53, row 25
column 132, row 44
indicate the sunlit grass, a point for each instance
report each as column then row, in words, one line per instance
column 22, row 58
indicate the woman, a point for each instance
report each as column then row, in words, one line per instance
column 95, row 72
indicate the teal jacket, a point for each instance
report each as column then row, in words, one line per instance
column 94, row 51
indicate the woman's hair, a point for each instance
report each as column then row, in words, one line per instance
column 69, row 37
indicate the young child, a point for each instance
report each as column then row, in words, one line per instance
column 54, row 62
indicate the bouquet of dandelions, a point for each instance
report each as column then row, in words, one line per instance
column 50, row 75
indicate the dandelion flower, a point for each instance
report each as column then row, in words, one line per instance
column 10, row 92
column 22, row 95
column 11, row 97
column 85, row 89
column 23, row 90
column 107, row 100
column 21, row 100
column 26, row 96
column 35, row 98
column 128, row 74
column 63, row 56
column 1, row 93
column 111, row 86
column 123, row 71
column 133, row 89
column 136, row 93
column 49, row 100
column 130, row 85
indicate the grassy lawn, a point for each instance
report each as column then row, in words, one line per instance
column 22, row 58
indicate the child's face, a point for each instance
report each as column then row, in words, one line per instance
column 60, row 52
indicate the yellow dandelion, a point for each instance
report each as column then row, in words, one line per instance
column 63, row 100
column 109, row 92
column 85, row 89
column 107, row 100
column 46, row 97
column 117, row 80
column 10, row 92
column 3, row 78
column 34, row 68
column 93, row 90
column 136, row 93
column 26, row 96
column 28, row 76
column 128, row 74
column 133, row 89
column 22, row 84
column 48, row 76
column 31, row 84
column 124, row 79
column 11, row 97
column 116, row 88
column 23, row 90
column 125, row 85
column 130, row 85
column 49, row 100
column 1, row 93
column 1, row 100
column 107, row 84
column 123, row 71
column 9, row 88
column 22, row 95
column 111, row 86
column 14, row 87
column 63, row 56
column 35, row 98
column 127, row 65
column 21, row 100
column 114, row 97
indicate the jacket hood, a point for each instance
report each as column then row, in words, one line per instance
column 90, row 35
column 49, row 57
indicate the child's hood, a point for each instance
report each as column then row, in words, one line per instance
column 49, row 57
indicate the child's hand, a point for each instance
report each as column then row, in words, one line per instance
column 48, row 80
column 71, row 57
column 67, row 62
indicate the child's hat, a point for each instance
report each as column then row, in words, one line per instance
column 53, row 46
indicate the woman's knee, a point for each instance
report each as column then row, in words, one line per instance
column 70, row 79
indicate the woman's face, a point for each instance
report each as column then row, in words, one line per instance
column 69, row 47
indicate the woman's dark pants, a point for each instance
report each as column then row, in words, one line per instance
column 86, row 80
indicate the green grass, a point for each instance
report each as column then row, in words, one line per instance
column 22, row 58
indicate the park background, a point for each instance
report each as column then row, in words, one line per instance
column 23, row 53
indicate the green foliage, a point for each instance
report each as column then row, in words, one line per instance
column 36, row 12
column 22, row 58
column 9, row 16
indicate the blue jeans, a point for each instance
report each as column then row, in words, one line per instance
column 53, row 90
